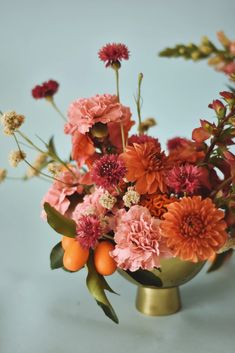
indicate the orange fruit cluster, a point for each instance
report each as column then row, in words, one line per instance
column 75, row 256
column 104, row 263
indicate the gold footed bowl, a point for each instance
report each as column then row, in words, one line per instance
column 165, row 300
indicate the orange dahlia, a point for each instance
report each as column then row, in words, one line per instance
column 157, row 203
column 146, row 165
column 194, row 228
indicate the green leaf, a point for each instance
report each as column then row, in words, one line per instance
column 97, row 286
column 220, row 260
column 145, row 278
column 60, row 223
column 51, row 148
column 56, row 256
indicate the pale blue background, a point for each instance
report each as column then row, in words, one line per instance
column 44, row 311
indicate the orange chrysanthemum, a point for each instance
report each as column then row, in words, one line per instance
column 194, row 228
column 146, row 166
column 157, row 203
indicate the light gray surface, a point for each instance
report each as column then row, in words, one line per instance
column 43, row 311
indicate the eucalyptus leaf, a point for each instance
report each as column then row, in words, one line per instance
column 145, row 278
column 97, row 286
column 60, row 223
column 56, row 256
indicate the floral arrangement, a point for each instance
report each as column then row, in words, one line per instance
column 123, row 203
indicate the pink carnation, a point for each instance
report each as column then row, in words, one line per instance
column 57, row 195
column 90, row 205
column 84, row 113
column 139, row 243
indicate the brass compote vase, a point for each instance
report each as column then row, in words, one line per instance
column 165, row 300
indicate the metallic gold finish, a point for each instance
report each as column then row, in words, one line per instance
column 175, row 272
column 166, row 300
column 158, row 302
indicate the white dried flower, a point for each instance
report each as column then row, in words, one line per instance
column 11, row 121
column 54, row 168
column 131, row 197
column 90, row 210
column 230, row 244
column 36, row 165
column 107, row 200
column 3, row 174
column 15, row 157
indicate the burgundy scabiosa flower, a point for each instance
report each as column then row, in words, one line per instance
column 108, row 171
column 45, row 90
column 113, row 53
column 89, row 230
column 176, row 142
column 142, row 139
column 184, row 179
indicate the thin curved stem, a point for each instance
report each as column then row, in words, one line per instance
column 138, row 102
column 36, row 170
column 117, row 83
column 29, row 141
column 215, row 138
column 226, row 182
column 57, row 109
column 118, row 97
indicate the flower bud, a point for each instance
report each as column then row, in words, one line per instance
column 15, row 157
column 99, row 130
column 3, row 174
column 205, row 49
column 219, row 108
column 223, row 39
column 195, row 55
column 229, row 97
column 116, row 65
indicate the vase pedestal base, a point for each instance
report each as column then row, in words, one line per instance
column 158, row 301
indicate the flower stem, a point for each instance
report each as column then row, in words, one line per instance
column 29, row 141
column 15, row 178
column 108, row 236
column 118, row 97
column 138, row 102
column 38, row 171
column 117, row 83
column 123, row 137
column 224, row 183
column 217, row 136
column 51, row 100
column 54, row 156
